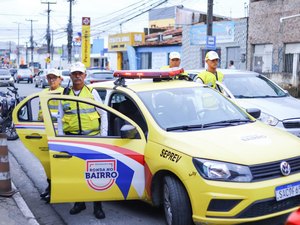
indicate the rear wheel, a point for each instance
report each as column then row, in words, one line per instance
column 9, row 129
column 176, row 203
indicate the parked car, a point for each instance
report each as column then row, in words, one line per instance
column 5, row 77
column 250, row 89
column 66, row 78
column 24, row 74
column 40, row 80
column 94, row 76
column 171, row 143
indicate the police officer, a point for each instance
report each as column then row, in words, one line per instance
column 89, row 120
column 54, row 80
column 174, row 61
column 210, row 75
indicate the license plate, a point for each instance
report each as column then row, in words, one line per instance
column 287, row 191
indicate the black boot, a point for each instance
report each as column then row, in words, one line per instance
column 77, row 208
column 98, row 211
column 46, row 194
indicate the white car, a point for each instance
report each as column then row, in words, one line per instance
column 5, row 77
column 253, row 90
column 66, row 78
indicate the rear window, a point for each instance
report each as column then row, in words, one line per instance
column 4, row 72
column 101, row 75
column 65, row 73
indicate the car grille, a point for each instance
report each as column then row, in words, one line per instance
column 291, row 124
column 265, row 207
column 272, row 170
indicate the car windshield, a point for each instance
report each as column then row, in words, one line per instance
column 252, row 87
column 192, row 108
column 4, row 72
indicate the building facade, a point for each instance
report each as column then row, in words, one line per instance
column 274, row 41
column 231, row 44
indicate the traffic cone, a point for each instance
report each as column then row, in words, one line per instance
column 5, row 180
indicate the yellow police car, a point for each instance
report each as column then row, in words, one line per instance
column 170, row 142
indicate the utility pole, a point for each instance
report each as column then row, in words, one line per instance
column 31, row 39
column 48, row 29
column 18, row 47
column 209, row 19
column 70, row 33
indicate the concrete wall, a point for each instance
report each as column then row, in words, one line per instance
column 269, row 23
column 191, row 54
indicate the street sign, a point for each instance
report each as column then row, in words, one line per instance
column 211, row 42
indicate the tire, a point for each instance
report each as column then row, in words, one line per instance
column 176, row 203
column 10, row 130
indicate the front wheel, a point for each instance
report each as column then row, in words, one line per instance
column 176, row 203
column 8, row 127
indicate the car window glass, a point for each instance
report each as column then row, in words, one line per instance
column 114, row 122
column 189, row 106
column 126, row 106
column 252, row 86
column 29, row 112
column 102, row 93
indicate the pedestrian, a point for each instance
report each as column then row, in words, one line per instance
column 54, row 80
column 89, row 124
column 210, row 75
column 231, row 65
column 174, row 61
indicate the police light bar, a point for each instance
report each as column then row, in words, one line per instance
column 134, row 74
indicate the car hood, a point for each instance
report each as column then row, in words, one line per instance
column 246, row 144
column 281, row 108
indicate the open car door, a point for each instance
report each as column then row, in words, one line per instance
column 31, row 129
column 93, row 168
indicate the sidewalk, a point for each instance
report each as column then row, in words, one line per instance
column 14, row 210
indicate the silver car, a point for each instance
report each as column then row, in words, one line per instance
column 253, row 90
column 66, row 78
column 40, row 79
column 24, row 74
column 5, row 77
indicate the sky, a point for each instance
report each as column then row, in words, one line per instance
column 16, row 15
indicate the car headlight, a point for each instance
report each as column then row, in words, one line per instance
column 268, row 119
column 222, row 171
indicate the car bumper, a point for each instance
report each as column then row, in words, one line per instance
column 233, row 203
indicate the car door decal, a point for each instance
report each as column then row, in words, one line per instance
column 30, row 126
column 129, row 165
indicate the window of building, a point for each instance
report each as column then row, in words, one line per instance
column 262, row 58
column 288, row 63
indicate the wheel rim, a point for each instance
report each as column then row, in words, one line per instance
column 167, row 205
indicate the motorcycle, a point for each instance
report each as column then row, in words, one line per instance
column 8, row 102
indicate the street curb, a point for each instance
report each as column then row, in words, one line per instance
column 23, row 207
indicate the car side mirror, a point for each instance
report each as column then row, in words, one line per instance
column 254, row 112
column 128, row 131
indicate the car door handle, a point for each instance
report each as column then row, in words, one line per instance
column 33, row 137
column 60, row 156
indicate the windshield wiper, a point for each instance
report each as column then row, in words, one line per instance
column 227, row 123
column 269, row 96
column 219, row 123
column 185, row 127
column 243, row 96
